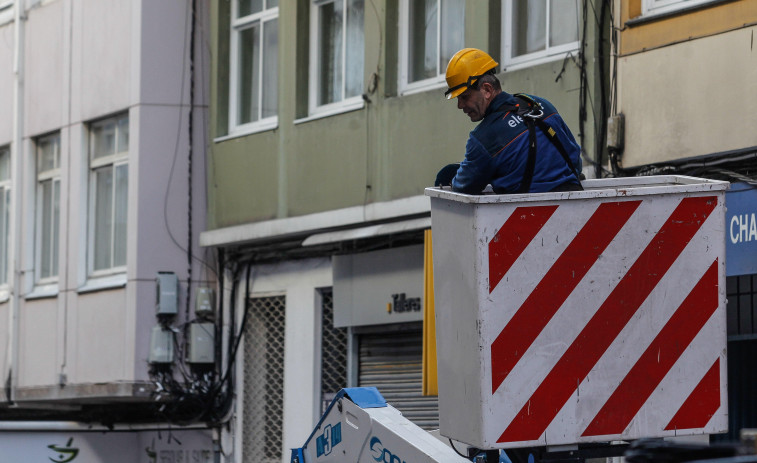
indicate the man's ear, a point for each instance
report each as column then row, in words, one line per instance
column 487, row 89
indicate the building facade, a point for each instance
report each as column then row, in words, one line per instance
column 683, row 90
column 327, row 121
column 103, row 191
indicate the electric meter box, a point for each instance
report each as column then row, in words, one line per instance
column 204, row 302
column 579, row 317
column 201, row 343
column 161, row 346
column 167, row 293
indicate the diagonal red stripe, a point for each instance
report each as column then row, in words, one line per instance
column 557, row 284
column 609, row 320
column 701, row 404
column 657, row 360
column 514, row 236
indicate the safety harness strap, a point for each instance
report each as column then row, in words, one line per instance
column 534, row 117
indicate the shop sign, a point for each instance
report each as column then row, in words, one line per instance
column 378, row 287
column 168, row 446
column 741, row 230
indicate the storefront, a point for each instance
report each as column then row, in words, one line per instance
column 101, row 446
column 741, row 272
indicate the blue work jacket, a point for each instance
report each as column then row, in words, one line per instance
column 497, row 151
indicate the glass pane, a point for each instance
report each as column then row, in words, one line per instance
column 563, row 22
column 529, row 24
column 249, row 57
column 423, row 22
column 48, row 153
column 330, row 52
column 272, row 3
column 123, row 134
column 5, row 200
column 270, row 68
column 5, row 164
column 355, row 48
column 104, row 139
column 103, row 217
column 452, row 31
column 56, row 228
column 120, row 215
column 249, row 7
column 46, row 206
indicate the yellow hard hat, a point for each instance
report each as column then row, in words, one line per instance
column 465, row 68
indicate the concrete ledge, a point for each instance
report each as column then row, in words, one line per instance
column 92, row 393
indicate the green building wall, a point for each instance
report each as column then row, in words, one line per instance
column 389, row 149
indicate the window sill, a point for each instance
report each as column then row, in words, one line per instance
column 43, row 291
column 5, row 294
column 673, row 11
column 427, row 87
column 333, row 111
column 244, row 131
column 6, row 16
column 103, row 283
column 517, row 66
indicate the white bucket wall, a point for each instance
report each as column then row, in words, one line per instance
column 580, row 317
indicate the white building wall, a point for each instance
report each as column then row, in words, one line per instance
column 44, row 91
column 85, row 60
column 7, row 42
column 697, row 98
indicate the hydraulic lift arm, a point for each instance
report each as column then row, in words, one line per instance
column 360, row 427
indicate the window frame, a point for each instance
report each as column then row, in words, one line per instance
column 53, row 175
column 538, row 57
column 6, row 190
column 237, row 26
column 405, row 86
column 114, row 160
column 655, row 7
column 314, row 82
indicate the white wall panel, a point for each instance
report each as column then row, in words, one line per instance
column 689, row 99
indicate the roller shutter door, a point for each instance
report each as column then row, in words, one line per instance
column 392, row 362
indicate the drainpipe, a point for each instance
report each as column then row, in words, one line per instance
column 16, row 172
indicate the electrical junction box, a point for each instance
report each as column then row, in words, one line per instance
column 161, row 346
column 204, row 302
column 167, row 294
column 201, row 343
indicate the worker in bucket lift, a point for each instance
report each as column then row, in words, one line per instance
column 521, row 144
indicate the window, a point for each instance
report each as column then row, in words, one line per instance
column 109, row 178
column 254, row 65
column 741, row 293
column 48, row 206
column 538, row 30
column 336, row 55
column 5, row 205
column 663, row 6
column 431, row 32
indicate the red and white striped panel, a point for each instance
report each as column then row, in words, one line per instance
column 610, row 322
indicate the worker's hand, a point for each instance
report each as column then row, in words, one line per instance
column 446, row 174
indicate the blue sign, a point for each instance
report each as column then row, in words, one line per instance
column 741, row 230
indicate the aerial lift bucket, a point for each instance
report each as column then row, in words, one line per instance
column 581, row 317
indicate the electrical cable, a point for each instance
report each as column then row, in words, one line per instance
column 452, row 444
column 190, row 151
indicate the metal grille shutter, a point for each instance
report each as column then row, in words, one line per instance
column 392, row 362
column 263, row 387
